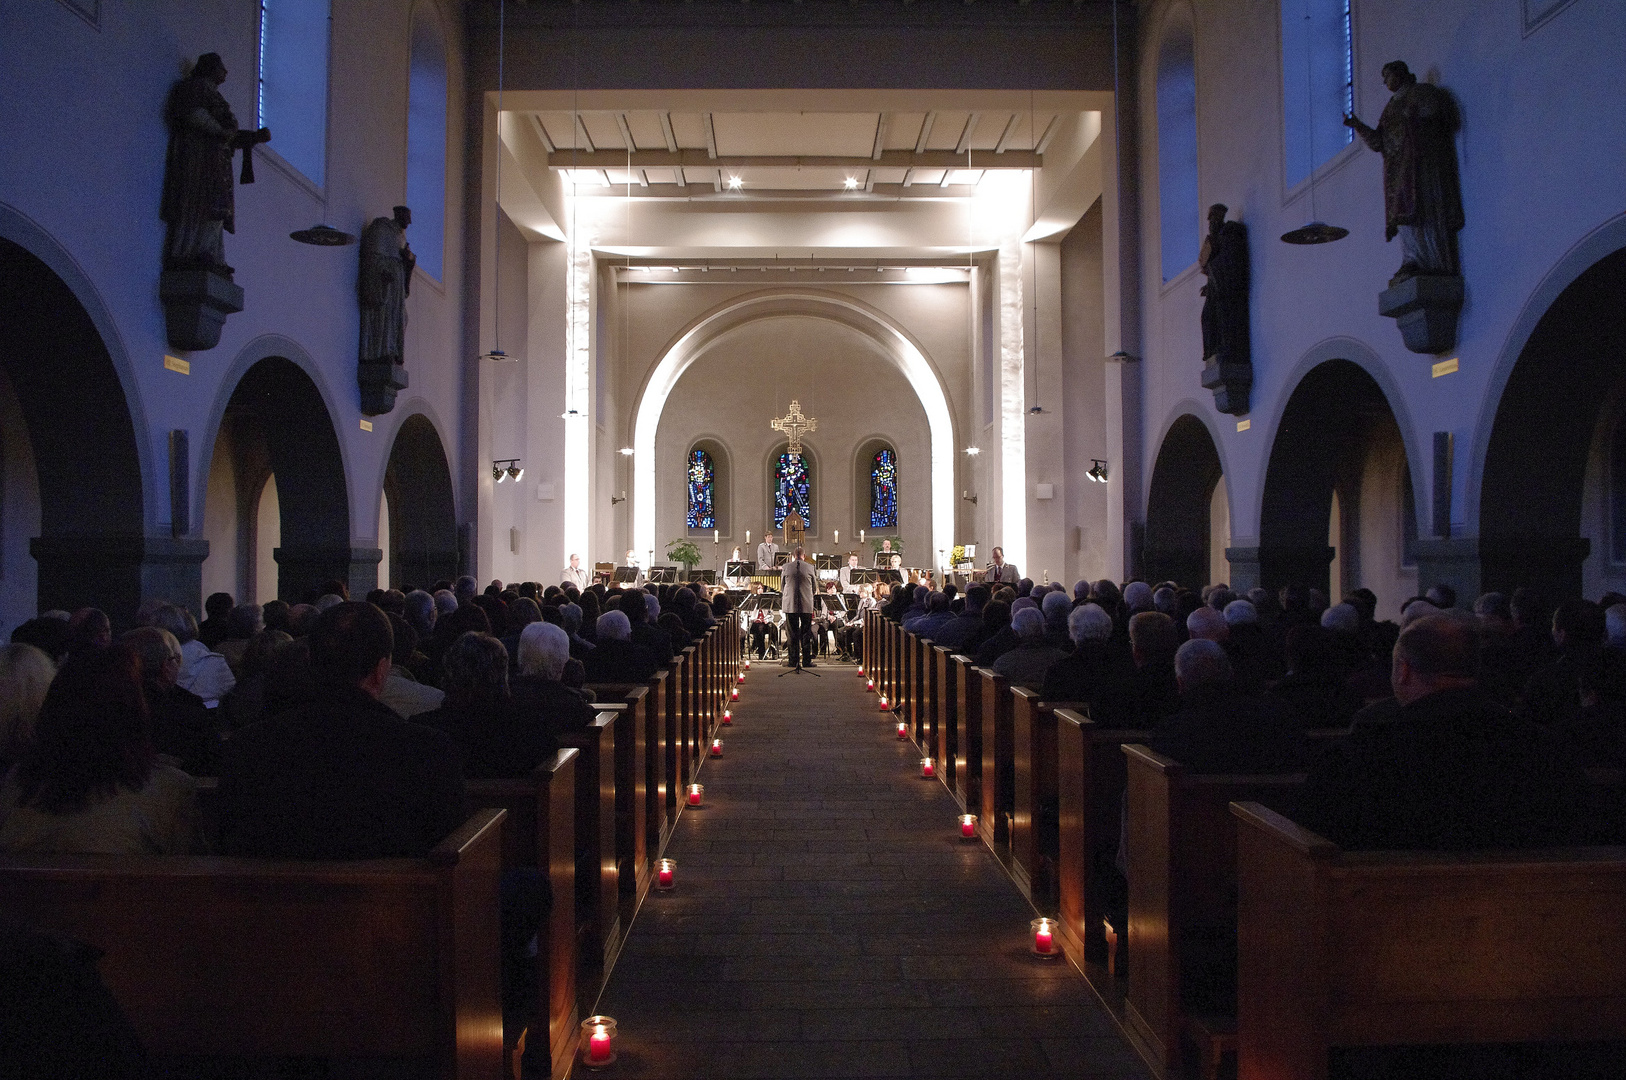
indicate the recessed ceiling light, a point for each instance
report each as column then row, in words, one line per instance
column 852, row 182
column 735, row 182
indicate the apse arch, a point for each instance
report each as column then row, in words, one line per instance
column 894, row 342
column 1178, row 525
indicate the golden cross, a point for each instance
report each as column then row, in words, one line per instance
column 795, row 425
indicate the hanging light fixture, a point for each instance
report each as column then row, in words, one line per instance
column 496, row 353
column 1317, row 231
column 323, row 235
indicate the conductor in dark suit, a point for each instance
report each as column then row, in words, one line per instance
column 341, row 776
column 796, row 588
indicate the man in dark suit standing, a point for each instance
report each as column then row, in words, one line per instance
column 1001, row 572
column 341, row 776
column 796, row 588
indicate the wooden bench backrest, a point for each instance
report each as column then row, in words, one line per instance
column 1385, row 948
column 214, row 955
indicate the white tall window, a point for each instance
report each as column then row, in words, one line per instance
column 1179, row 222
column 1318, row 83
column 426, row 143
column 293, row 81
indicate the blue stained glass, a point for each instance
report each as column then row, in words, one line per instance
column 883, row 491
column 702, row 477
column 791, row 491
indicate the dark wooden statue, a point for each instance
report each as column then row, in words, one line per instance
column 1227, row 354
column 199, row 205
column 382, row 287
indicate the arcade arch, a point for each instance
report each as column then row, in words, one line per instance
column 418, row 526
column 1187, row 482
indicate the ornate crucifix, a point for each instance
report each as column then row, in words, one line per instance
column 795, row 425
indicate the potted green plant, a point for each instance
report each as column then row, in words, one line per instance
column 686, row 552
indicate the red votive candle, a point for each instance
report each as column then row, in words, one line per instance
column 903, row 730
column 968, row 826
column 741, row 678
column 716, row 748
column 696, row 793
column 728, row 718
column 665, row 873
column 736, row 693
column 1044, row 937
column 927, row 768
column 870, row 684
column 598, row 1047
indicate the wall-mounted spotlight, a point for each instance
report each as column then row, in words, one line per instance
column 968, row 497
column 1098, row 471
column 572, row 414
column 506, row 469
column 621, row 498
column 973, row 451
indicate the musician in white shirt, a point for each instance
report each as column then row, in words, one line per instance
column 846, row 577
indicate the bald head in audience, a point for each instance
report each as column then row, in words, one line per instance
column 1435, row 652
column 1207, row 624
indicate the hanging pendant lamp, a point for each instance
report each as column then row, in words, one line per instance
column 496, row 353
column 1317, row 231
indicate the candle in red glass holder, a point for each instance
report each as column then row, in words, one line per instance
column 716, row 748
column 928, row 768
column 1044, row 937
column 735, row 693
column 728, row 718
column 861, row 671
column 870, row 685
column 598, row 1034
column 903, row 730
column 696, row 793
column 968, row 826
column 741, row 678
column 748, row 665
column 665, row 873
column 884, row 706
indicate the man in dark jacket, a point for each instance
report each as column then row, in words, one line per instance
column 340, row 777
column 635, row 605
column 1452, row 771
column 616, row 659
column 1093, row 673
column 957, row 632
column 1220, row 726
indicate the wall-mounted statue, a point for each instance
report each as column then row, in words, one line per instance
column 382, row 287
column 1227, row 354
column 1422, row 202
column 199, row 205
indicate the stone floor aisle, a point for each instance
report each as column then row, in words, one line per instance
column 827, row 920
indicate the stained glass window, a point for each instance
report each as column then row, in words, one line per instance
column 883, row 490
column 791, row 490
column 702, row 477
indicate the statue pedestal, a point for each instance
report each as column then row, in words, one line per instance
column 1426, row 308
column 379, row 384
column 196, row 303
column 1231, row 381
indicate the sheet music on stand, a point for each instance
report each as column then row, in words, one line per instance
column 663, row 575
column 739, row 569
column 626, row 573
column 781, row 558
column 708, row 577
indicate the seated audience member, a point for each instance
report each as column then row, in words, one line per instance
column 1598, row 730
column 402, row 691
column 1316, row 684
column 1055, row 607
column 1246, row 645
column 48, row 635
column 327, row 600
column 90, row 784
column 1552, row 695
column 521, row 613
column 89, row 629
column 673, row 625
column 916, row 607
column 216, row 624
column 997, row 636
column 243, row 622
column 391, row 602
column 179, row 725
column 1452, row 770
column 615, row 659
column 420, row 612
column 637, row 606
column 245, row 704
column 25, row 676
column 937, row 615
column 275, row 615
column 964, row 630
column 340, row 776
column 465, row 589
column 1026, row 664
column 1221, row 727
column 498, row 740
column 539, row 691
column 1153, row 690
column 1139, row 597
column 448, row 628
column 1093, row 672
column 59, row 1018
column 203, row 672
column 1441, row 596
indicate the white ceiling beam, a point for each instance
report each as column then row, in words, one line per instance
column 880, row 137
column 965, row 136
column 542, row 133
column 643, row 177
column 889, row 159
column 908, row 177
column 666, row 130
column 716, row 175
column 1049, row 133
column 869, row 180
column 1010, row 129
column 945, row 181
column 626, row 130
column 581, row 135
column 925, row 132
column 711, row 137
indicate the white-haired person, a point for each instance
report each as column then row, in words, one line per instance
column 537, row 691
column 1026, row 664
column 1094, row 673
column 616, row 659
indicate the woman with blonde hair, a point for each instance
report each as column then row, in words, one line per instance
column 25, row 676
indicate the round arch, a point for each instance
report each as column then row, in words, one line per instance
column 863, row 481
column 1177, row 504
column 1538, row 441
column 423, row 510
column 74, row 389
column 722, row 483
column 896, row 343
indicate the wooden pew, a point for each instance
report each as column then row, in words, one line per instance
column 944, row 712
column 920, row 693
column 631, row 827
column 540, row 833
column 262, row 957
column 656, row 821
column 689, row 732
column 968, row 736
column 598, row 887
column 998, row 777
column 1090, row 778
column 897, row 674
column 1396, row 948
column 1182, row 882
column 1034, row 841
column 672, row 719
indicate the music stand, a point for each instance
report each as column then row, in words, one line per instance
column 663, row 575
column 735, row 569
column 626, row 573
column 705, row 577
